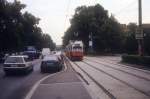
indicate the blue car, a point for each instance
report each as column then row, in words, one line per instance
column 51, row 63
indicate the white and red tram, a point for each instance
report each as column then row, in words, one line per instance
column 74, row 50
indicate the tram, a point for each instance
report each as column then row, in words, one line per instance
column 74, row 50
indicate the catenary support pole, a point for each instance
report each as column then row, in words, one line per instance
column 140, row 40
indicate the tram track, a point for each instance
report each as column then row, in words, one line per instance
column 129, row 85
column 122, row 65
column 110, row 95
column 146, row 79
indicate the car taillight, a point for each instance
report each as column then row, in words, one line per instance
column 6, row 65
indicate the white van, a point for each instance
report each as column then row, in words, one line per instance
column 46, row 51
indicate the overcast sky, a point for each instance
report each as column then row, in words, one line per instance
column 55, row 14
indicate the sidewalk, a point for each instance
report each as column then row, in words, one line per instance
column 64, row 85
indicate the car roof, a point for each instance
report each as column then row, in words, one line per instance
column 50, row 57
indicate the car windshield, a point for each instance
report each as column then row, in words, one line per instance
column 14, row 60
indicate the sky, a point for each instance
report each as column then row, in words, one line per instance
column 55, row 14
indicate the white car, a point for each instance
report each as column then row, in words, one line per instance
column 17, row 63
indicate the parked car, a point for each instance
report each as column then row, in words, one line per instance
column 51, row 63
column 17, row 63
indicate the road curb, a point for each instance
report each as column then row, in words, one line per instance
column 35, row 86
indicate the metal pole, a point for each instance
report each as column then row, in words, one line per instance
column 140, row 13
column 92, row 42
column 140, row 41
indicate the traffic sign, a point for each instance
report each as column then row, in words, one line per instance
column 90, row 43
column 139, row 34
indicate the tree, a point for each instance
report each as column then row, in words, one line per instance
column 18, row 29
column 146, row 32
column 95, row 19
column 10, row 16
column 47, row 42
column 131, row 45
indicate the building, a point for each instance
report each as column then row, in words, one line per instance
column 145, row 26
column 124, row 27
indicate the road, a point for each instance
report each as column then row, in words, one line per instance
column 104, row 77
column 109, row 79
column 17, row 86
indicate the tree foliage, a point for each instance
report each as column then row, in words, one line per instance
column 146, row 32
column 18, row 29
column 105, row 29
column 131, row 45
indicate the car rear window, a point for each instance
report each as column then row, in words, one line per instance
column 14, row 60
column 27, row 59
column 50, row 63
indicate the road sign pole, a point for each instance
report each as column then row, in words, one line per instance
column 91, row 42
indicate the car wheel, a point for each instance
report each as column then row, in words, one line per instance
column 42, row 71
column 26, row 71
column 31, row 68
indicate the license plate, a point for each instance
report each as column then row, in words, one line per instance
column 13, row 65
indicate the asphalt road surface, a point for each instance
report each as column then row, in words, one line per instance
column 17, row 86
column 62, row 85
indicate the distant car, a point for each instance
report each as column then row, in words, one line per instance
column 18, row 63
column 51, row 63
column 31, row 54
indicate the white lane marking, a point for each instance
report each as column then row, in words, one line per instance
column 33, row 89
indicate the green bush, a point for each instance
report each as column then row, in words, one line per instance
column 135, row 59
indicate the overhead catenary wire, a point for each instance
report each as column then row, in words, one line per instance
column 129, row 12
column 89, row 2
column 67, row 13
column 96, row 1
column 126, row 8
